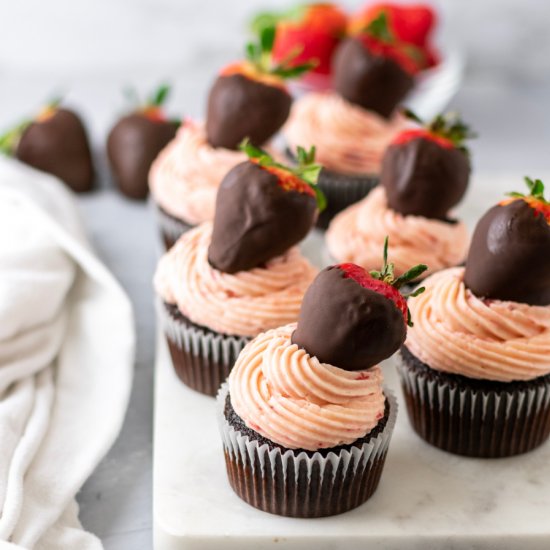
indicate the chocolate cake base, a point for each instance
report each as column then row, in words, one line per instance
column 476, row 418
column 299, row 482
column 202, row 358
column 171, row 228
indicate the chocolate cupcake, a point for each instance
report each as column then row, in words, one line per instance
column 305, row 420
column 353, row 125
column 55, row 141
column 475, row 368
column 223, row 283
column 248, row 100
column 425, row 173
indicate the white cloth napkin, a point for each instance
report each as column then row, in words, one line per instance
column 66, row 356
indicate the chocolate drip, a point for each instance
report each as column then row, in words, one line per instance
column 133, row 144
column 509, row 257
column 256, row 219
column 423, row 178
column 59, row 146
column 239, row 108
column 347, row 325
column 373, row 82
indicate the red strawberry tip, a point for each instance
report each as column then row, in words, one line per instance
column 384, row 282
column 446, row 129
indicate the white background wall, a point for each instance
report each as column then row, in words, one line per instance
column 92, row 48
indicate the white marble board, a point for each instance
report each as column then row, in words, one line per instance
column 427, row 499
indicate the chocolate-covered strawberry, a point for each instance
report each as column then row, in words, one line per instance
column 262, row 209
column 55, row 141
column 374, row 69
column 249, row 99
column 425, row 171
column 509, row 256
column 135, row 141
column 354, row 319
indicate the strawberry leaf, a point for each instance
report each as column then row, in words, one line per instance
column 536, row 191
column 306, row 170
column 446, row 125
column 267, row 38
column 160, row 95
column 379, row 28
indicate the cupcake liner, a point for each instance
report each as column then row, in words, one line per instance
column 303, row 483
column 475, row 418
column 341, row 190
column 201, row 357
column 171, row 228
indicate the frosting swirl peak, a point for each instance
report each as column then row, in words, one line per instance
column 244, row 303
column 457, row 332
column 357, row 235
column 293, row 399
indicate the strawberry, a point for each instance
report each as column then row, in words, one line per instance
column 509, row 257
column 135, row 141
column 54, row 141
column 354, row 319
column 426, row 169
column 374, row 70
column 412, row 23
column 263, row 208
column 309, row 33
column 249, row 99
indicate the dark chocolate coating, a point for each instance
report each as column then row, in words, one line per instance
column 422, row 178
column 347, row 325
column 132, row 146
column 256, row 219
column 59, row 146
column 240, row 108
column 509, row 257
column 373, row 82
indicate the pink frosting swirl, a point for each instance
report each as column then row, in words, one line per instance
column 245, row 303
column 348, row 139
column 357, row 235
column 457, row 332
column 185, row 177
column 293, row 399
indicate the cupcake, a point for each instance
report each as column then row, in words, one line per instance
column 425, row 173
column 475, row 368
column 135, row 141
column 226, row 281
column 249, row 99
column 353, row 125
column 304, row 418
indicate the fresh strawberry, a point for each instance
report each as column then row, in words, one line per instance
column 135, row 141
column 263, row 208
column 411, row 23
column 374, row 70
column 249, row 99
column 355, row 325
column 309, row 33
column 426, row 169
column 509, row 257
column 55, row 141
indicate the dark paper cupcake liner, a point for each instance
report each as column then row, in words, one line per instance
column 476, row 418
column 201, row 357
column 341, row 190
column 171, row 228
column 299, row 483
